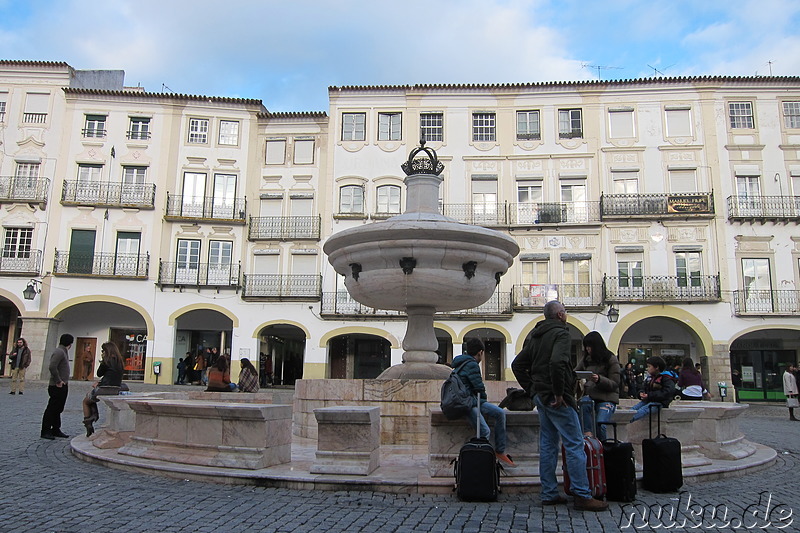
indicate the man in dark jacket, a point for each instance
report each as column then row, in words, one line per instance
column 467, row 366
column 544, row 369
column 57, row 389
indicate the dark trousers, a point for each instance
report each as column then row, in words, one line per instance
column 51, row 420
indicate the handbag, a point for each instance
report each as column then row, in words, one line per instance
column 517, row 400
column 792, row 402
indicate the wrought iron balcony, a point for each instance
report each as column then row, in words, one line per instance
column 109, row 194
column 138, row 135
column 284, row 228
column 341, row 304
column 497, row 307
column 97, row 133
column 184, row 273
column 23, row 262
column 206, row 208
column 572, row 295
column 478, row 214
column 524, row 214
column 278, row 287
column 662, row 289
column 764, row 208
column 700, row 204
column 18, row 189
column 104, row 265
column 752, row 302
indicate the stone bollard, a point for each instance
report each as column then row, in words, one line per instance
column 348, row 440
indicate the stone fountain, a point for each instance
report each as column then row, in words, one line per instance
column 421, row 262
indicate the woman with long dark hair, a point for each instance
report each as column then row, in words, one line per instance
column 690, row 382
column 248, row 377
column 110, row 372
column 219, row 377
column 601, row 392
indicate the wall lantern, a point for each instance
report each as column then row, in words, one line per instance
column 613, row 314
column 33, row 288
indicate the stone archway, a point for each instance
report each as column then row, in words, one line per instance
column 358, row 356
column 761, row 355
column 281, row 354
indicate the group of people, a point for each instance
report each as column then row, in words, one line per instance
column 689, row 383
column 210, row 368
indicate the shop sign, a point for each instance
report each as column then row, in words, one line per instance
column 688, row 203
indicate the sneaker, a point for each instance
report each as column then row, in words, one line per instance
column 590, row 504
column 505, row 460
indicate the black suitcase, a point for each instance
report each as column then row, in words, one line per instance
column 661, row 461
column 476, row 470
column 620, row 468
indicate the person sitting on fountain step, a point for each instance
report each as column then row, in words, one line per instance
column 219, row 377
column 469, row 370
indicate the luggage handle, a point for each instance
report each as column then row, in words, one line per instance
column 650, row 421
column 612, row 424
column 478, row 418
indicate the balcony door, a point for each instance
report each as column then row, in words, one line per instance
column 187, row 266
column 576, row 289
column 25, row 181
column 630, row 277
column 88, row 186
column 748, row 196
column 133, row 185
column 81, row 251
column 224, row 196
column 219, row 262
column 194, row 190
column 126, row 258
column 757, row 285
column 573, row 196
column 529, row 196
column 484, row 200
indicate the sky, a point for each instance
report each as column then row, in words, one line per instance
column 288, row 52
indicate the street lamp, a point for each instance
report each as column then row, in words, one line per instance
column 33, row 288
column 613, row 314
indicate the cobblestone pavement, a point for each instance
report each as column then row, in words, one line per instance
column 45, row 489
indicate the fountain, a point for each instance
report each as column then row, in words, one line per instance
column 421, row 262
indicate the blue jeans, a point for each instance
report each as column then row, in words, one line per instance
column 603, row 412
column 643, row 409
column 499, row 416
column 560, row 424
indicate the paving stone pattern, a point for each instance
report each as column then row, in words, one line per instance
column 45, row 489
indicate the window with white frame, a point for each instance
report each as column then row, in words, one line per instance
column 224, row 202
column 133, row 175
column 303, row 151
column 187, row 264
column 484, row 199
column 528, row 128
column 139, row 128
column 629, row 271
column 388, row 199
column 484, row 127
column 757, row 281
column 678, row 121
column 625, row 182
column 354, row 126
column 3, row 107
column 741, row 114
column 389, row 126
column 27, row 171
column 796, row 185
column 36, row 105
column 432, row 126
column 220, row 254
column 17, row 243
column 229, row 132
column 620, row 123
column 791, row 115
column 529, row 196
column 276, row 152
column 683, row 180
column 194, row 190
column 95, row 126
column 89, row 173
column 688, row 269
column 351, row 199
column 535, row 282
column 573, row 196
column 198, row 130
column 576, row 276
column 570, row 124
column 748, row 195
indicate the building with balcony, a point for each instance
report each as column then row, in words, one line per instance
column 169, row 223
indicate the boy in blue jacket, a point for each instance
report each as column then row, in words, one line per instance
column 467, row 366
column 659, row 391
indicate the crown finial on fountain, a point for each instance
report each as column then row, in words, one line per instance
column 422, row 165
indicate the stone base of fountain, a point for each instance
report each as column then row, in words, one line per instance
column 417, row 371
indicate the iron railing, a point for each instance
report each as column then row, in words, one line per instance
column 34, row 118
column 341, row 304
column 657, row 205
column 19, row 189
column 137, row 135
column 207, row 208
column 761, row 302
column 21, row 262
column 477, row 214
column 524, row 214
column 662, row 289
column 764, row 207
column 572, row 295
column 98, row 133
column 186, row 273
column 284, row 228
column 499, row 306
column 276, row 286
column 106, row 265
column 109, row 194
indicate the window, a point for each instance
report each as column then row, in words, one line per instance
column 679, row 121
column 89, row 173
column 483, row 127
column 570, row 124
column 536, row 287
column 17, row 244
column 748, row 186
column 95, row 126
column 630, row 273
column 757, row 281
column 389, row 126
column 229, row 132
column 303, row 151
column 625, row 182
column 353, row 126
column 529, row 196
column 388, row 199
column 187, row 266
column 224, row 196
column 432, row 126
column 573, row 196
column 620, row 123
column 682, row 180
column 741, row 114
column 219, row 262
column 484, row 199
column 126, row 260
column 351, row 199
column 2, row 109
column 576, row 289
column 194, row 190
column 36, row 105
column 133, row 175
column 791, row 114
column 528, row 126
column 276, row 152
column 139, row 129
column 535, row 272
column 688, row 269
column 198, row 130
column 27, row 171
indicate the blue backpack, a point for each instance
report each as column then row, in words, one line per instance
column 456, row 397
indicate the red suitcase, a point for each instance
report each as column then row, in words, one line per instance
column 595, row 468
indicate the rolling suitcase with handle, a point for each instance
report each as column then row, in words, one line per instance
column 661, row 460
column 476, row 470
column 620, row 468
column 595, row 467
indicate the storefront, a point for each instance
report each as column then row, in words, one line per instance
column 761, row 359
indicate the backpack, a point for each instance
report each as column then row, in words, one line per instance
column 456, row 397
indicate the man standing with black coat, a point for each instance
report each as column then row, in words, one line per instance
column 57, row 389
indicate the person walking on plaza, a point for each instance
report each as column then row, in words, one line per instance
column 468, row 368
column 543, row 368
column 629, row 375
column 790, row 390
column 57, row 389
column 601, row 392
column 20, row 359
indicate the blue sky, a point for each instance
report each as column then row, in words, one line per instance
column 288, row 52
